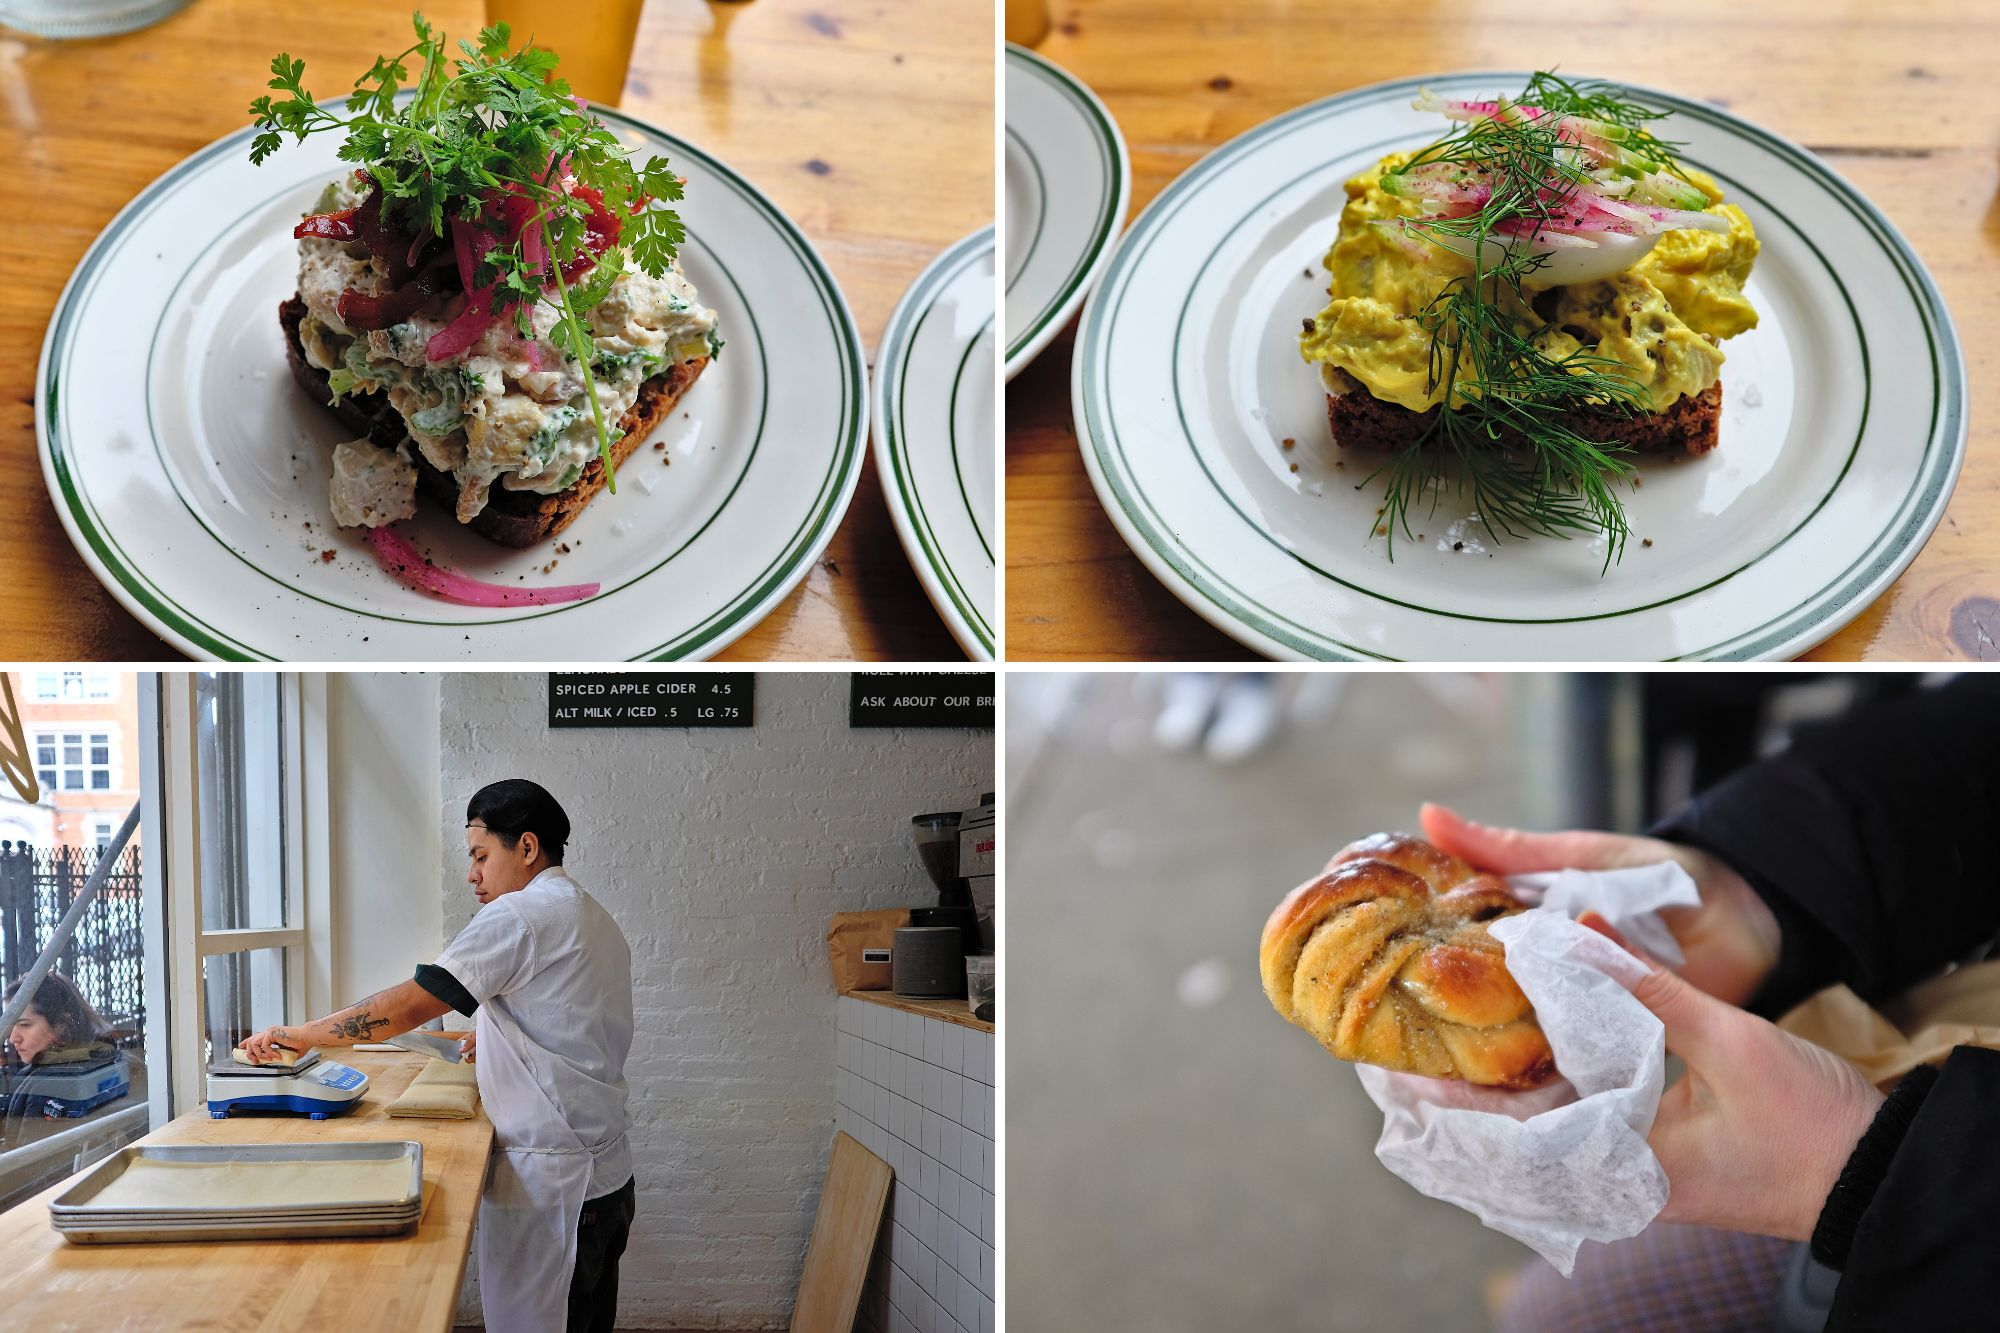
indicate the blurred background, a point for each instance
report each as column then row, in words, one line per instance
column 1179, row 1157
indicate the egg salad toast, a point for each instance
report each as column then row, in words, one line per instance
column 1519, row 308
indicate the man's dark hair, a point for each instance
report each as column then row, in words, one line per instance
column 517, row 806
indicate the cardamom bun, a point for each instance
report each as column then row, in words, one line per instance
column 1385, row 958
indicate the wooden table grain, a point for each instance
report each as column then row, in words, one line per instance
column 364, row 1283
column 872, row 126
column 1901, row 100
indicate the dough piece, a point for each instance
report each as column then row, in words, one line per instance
column 153, row 1183
column 441, row 1092
column 1386, row 960
column 285, row 1059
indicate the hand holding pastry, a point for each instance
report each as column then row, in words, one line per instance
column 1730, row 941
column 1754, row 1135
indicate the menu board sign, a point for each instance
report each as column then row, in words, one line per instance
column 651, row 698
column 921, row 699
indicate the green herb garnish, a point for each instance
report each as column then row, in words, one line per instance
column 479, row 130
column 1487, row 341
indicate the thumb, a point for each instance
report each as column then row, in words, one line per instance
column 1506, row 851
column 1694, row 1021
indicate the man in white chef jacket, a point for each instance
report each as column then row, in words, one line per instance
column 548, row 975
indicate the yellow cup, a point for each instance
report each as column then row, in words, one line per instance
column 1027, row 21
column 593, row 37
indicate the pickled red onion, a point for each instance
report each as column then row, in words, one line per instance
column 403, row 560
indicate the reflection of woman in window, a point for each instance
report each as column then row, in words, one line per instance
column 57, row 1027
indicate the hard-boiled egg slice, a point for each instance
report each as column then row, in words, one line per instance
column 1572, row 257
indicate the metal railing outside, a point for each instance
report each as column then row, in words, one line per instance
column 106, row 957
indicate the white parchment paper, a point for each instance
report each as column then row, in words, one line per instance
column 1568, row 1162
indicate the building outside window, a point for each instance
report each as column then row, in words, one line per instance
column 74, row 760
column 74, row 686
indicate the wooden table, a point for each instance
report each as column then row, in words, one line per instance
column 872, row 126
column 1901, row 100
column 392, row 1283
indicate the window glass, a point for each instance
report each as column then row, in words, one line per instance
column 242, row 993
column 240, row 772
column 73, row 1077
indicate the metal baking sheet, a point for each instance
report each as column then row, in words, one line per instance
column 391, row 1215
column 90, row 1234
column 402, row 1218
column 317, row 1213
column 76, row 1202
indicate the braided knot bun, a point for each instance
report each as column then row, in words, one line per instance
column 1386, row 960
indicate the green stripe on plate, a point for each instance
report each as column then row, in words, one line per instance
column 1041, row 206
column 1114, row 181
column 917, row 308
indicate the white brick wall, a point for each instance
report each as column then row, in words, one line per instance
column 722, row 854
column 918, row 1093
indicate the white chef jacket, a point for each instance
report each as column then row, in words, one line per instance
column 553, row 976
column 555, row 969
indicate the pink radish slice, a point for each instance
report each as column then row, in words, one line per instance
column 403, row 560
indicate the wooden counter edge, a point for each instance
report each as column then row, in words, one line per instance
column 950, row 1010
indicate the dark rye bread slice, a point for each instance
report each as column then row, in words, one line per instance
column 1689, row 424
column 511, row 518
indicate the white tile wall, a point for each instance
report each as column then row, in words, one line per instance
column 918, row 1093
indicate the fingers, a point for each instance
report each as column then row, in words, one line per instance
column 1693, row 1021
column 1505, row 851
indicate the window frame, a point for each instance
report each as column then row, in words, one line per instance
column 301, row 745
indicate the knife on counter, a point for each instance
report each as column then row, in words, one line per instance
column 424, row 1044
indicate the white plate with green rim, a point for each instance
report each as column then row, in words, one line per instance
column 1068, row 181
column 1841, row 438
column 186, row 464
column 933, row 414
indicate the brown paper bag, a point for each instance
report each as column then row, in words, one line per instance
column 1960, row 1008
column 857, row 944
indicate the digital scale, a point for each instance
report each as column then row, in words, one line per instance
column 313, row 1088
column 67, row 1090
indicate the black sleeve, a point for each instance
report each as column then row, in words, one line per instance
column 444, row 986
column 1926, row 1248
column 1872, row 839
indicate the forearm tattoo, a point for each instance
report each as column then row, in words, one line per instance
column 358, row 1025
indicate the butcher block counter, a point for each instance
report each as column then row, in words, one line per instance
column 408, row 1281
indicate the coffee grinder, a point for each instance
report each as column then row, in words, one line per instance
column 929, row 956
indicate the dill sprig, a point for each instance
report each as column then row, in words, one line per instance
column 1502, row 428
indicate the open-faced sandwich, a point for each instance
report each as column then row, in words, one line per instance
column 1521, row 306
column 491, row 297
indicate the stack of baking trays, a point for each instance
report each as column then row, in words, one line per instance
column 248, row 1191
